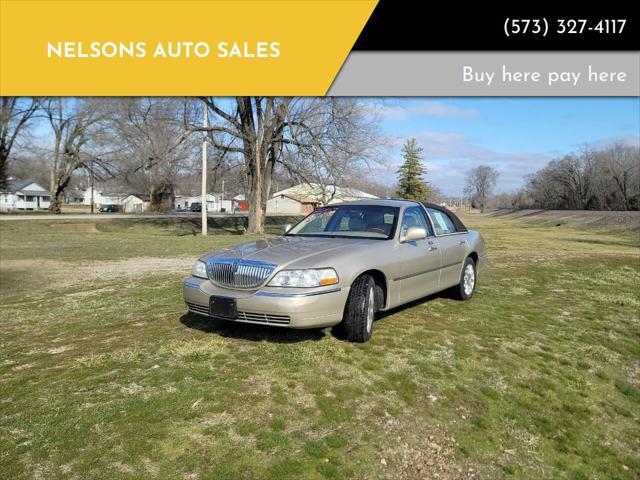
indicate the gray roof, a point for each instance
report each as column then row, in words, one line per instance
column 41, row 193
column 17, row 186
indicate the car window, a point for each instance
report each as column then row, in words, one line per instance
column 442, row 224
column 414, row 217
column 367, row 221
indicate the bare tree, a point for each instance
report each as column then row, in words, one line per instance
column 363, row 179
column 30, row 166
column 603, row 179
column 155, row 146
column 622, row 166
column 14, row 116
column 313, row 139
column 479, row 183
column 75, row 123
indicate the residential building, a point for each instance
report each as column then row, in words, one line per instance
column 102, row 197
column 240, row 204
column 136, row 203
column 289, row 204
column 24, row 195
column 303, row 198
column 74, row 196
column 183, row 202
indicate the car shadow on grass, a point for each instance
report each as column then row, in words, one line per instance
column 249, row 331
column 259, row 333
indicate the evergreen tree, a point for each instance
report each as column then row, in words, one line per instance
column 411, row 185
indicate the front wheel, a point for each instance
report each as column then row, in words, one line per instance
column 357, row 323
column 467, row 286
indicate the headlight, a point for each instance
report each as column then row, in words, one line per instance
column 305, row 278
column 199, row 269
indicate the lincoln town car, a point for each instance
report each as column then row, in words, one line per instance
column 339, row 266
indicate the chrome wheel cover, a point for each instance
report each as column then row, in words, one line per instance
column 371, row 309
column 469, row 280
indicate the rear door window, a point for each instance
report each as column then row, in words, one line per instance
column 442, row 223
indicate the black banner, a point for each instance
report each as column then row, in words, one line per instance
column 404, row 25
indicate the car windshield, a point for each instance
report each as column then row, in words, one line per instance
column 361, row 221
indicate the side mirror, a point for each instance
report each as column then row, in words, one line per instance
column 414, row 233
column 286, row 227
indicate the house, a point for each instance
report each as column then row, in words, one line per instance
column 136, row 203
column 214, row 202
column 288, row 204
column 240, row 204
column 24, row 195
column 74, row 196
column 101, row 197
column 303, row 198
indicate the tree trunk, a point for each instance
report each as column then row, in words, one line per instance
column 256, row 213
column 4, row 160
column 266, row 188
column 55, row 206
column 161, row 198
column 57, row 193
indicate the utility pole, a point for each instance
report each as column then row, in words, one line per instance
column 92, row 185
column 205, row 124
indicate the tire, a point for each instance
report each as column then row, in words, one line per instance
column 360, row 310
column 468, row 279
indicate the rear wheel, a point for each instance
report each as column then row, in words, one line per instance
column 360, row 311
column 467, row 286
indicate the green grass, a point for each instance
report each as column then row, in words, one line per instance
column 103, row 374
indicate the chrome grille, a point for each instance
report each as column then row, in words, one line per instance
column 201, row 309
column 238, row 273
column 263, row 318
column 252, row 317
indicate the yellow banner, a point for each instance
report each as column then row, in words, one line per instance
column 173, row 47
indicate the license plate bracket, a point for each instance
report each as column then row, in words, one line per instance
column 224, row 307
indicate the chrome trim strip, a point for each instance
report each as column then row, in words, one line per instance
column 189, row 284
column 244, row 261
column 425, row 272
column 450, row 234
column 307, row 294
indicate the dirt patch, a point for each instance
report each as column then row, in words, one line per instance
column 137, row 266
column 56, row 274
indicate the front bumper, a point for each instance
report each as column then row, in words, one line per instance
column 284, row 307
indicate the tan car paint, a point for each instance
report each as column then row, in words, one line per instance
column 411, row 270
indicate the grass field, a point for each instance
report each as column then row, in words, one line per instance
column 104, row 375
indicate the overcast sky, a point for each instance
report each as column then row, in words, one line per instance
column 517, row 136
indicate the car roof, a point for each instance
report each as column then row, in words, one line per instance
column 393, row 202
column 383, row 202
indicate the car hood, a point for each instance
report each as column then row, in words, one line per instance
column 304, row 252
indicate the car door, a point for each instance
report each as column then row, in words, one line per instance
column 420, row 260
column 453, row 246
